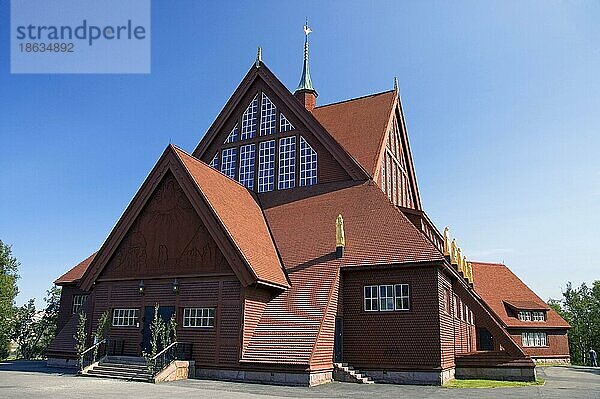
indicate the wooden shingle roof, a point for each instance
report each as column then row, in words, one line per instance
column 498, row 286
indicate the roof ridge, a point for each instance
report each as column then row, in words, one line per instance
column 354, row 99
column 488, row 263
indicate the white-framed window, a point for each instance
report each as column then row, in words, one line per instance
column 249, row 119
column 386, row 297
column 455, row 304
column 402, row 297
column 308, row 164
column 247, row 166
column 78, row 302
column 525, row 316
column 447, row 305
column 228, row 161
column 125, row 317
column 371, row 298
column 268, row 116
column 287, row 163
column 233, row 135
column 538, row 316
column 214, row 163
column 266, row 166
column 284, row 124
column 199, row 317
column 534, row 339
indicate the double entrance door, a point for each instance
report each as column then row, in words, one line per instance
column 165, row 313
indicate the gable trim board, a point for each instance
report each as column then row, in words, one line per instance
column 171, row 160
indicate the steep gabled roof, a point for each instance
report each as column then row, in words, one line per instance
column 241, row 216
column 362, row 127
column 297, row 326
column 261, row 72
column 359, row 125
column 497, row 286
column 227, row 209
column 75, row 274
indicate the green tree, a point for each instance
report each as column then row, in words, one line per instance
column 102, row 329
column 80, row 337
column 34, row 330
column 24, row 329
column 580, row 307
column 8, row 291
column 46, row 326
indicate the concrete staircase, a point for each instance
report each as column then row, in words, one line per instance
column 120, row 367
column 345, row 373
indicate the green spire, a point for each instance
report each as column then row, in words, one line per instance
column 305, row 81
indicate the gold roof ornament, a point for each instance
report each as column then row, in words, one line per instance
column 470, row 265
column 459, row 263
column 340, row 239
column 453, row 252
column 446, row 241
column 464, row 266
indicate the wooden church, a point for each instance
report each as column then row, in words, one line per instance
column 288, row 246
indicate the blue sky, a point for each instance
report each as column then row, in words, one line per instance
column 502, row 103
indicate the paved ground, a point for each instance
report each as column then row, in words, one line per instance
column 27, row 380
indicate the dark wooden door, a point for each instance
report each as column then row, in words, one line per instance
column 337, row 342
column 165, row 313
column 485, row 341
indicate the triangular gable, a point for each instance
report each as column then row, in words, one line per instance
column 248, row 269
column 401, row 183
column 364, row 126
column 291, row 108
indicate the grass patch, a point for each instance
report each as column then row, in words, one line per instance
column 491, row 383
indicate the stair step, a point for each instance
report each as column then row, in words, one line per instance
column 116, row 377
column 122, row 366
column 352, row 374
column 119, row 373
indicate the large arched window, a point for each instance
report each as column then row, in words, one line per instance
column 268, row 160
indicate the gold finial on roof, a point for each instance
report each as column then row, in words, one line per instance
column 340, row 239
column 446, row 241
column 453, row 252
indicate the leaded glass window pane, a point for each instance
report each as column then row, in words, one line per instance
column 266, row 166
column 228, row 161
column 383, row 175
column 233, row 135
column 308, row 164
column 215, row 162
column 268, row 116
column 287, row 163
column 247, row 166
column 284, row 124
column 249, row 120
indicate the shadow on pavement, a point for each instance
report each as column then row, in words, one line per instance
column 582, row 369
column 33, row 366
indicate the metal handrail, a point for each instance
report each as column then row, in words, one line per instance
column 163, row 351
column 92, row 347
